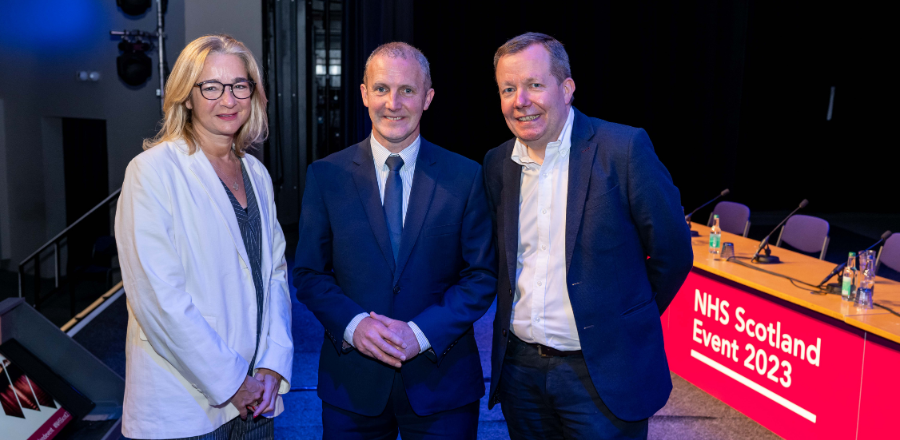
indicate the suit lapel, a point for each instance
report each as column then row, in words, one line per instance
column 420, row 198
column 581, row 159
column 203, row 171
column 509, row 194
column 367, row 187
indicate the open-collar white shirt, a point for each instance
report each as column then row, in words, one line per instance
column 542, row 312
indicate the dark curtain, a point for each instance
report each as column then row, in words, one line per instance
column 789, row 150
column 674, row 69
column 733, row 94
column 367, row 25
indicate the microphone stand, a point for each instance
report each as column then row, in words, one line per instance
column 768, row 258
column 837, row 269
column 687, row 218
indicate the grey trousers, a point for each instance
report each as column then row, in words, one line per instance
column 261, row 428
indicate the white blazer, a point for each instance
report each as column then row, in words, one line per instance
column 191, row 300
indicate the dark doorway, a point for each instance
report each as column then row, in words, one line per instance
column 86, row 185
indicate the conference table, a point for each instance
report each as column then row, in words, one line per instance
column 802, row 364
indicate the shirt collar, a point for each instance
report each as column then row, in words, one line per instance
column 561, row 146
column 408, row 154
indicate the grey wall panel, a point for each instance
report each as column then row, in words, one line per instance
column 242, row 19
column 4, row 194
column 41, row 48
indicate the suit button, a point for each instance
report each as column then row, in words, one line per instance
column 396, row 290
column 504, row 332
column 510, row 292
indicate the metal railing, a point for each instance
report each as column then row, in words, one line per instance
column 54, row 242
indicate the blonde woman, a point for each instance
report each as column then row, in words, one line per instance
column 209, row 345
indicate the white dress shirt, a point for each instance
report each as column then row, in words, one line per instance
column 542, row 312
column 380, row 156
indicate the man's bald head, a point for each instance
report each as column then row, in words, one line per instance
column 399, row 49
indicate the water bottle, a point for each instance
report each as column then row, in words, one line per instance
column 715, row 236
column 848, row 279
column 866, row 279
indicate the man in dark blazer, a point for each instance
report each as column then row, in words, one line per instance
column 592, row 247
column 396, row 261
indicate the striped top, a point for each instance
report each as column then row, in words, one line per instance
column 249, row 222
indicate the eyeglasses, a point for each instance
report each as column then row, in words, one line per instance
column 213, row 89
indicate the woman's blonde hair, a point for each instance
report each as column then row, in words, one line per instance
column 176, row 122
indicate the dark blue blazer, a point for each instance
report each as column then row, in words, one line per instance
column 622, row 208
column 444, row 279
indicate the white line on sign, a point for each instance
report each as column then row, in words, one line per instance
column 755, row 387
column 861, row 370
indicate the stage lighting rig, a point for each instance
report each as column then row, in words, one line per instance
column 133, row 7
column 134, row 66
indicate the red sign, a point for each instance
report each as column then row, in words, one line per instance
column 880, row 396
column 52, row 426
column 795, row 371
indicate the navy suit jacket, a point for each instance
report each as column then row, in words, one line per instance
column 444, row 278
column 622, row 208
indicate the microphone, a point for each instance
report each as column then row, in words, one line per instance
column 768, row 258
column 840, row 267
column 687, row 218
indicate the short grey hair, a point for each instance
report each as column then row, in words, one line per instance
column 559, row 59
column 399, row 49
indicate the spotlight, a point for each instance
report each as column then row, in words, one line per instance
column 134, row 66
column 133, row 7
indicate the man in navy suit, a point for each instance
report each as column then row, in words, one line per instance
column 396, row 261
column 592, row 247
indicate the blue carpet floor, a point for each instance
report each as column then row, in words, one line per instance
column 305, row 407
column 689, row 414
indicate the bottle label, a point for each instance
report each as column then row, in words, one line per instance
column 845, row 287
column 714, row 240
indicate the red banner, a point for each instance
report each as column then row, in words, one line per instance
column 795, row 371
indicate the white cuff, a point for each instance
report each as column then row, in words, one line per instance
column 424, row 345
column 351, row 327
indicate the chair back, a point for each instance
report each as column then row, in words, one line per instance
column 733, row 217
column 889, row 255
column 806, row 233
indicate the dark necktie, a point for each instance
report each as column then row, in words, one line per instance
column 393, row 202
